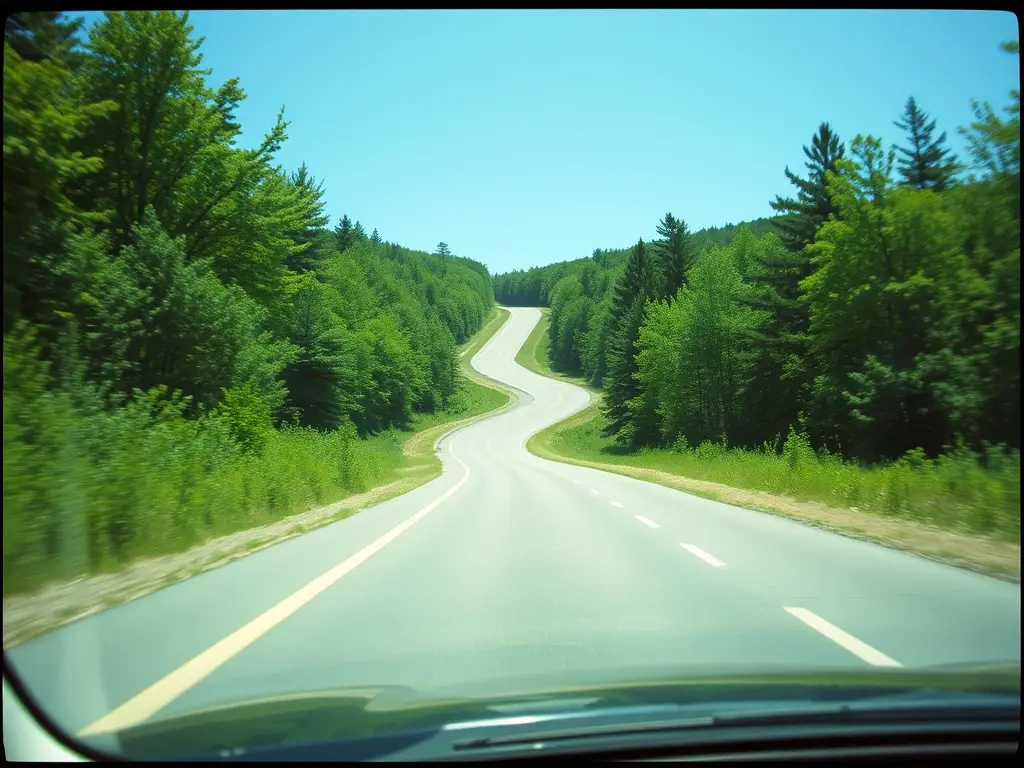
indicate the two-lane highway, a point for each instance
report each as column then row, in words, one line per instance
column 509, row 565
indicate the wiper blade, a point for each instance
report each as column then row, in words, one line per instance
column 843, row 714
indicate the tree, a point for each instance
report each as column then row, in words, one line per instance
column 674, row 253
column 443, row 251
column 44, row 119
column 801, row 216
column 326, row 384
column 778, row 342
column 634, row 288
column 690, row 359
column 343, row 233
column 167, row 294
column 901, row 324
column 375, row 237
column 309, row 196
column 39, row 36
column 924, row 164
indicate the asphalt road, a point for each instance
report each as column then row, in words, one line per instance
column 509, row 565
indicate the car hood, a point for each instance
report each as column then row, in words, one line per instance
column 356, row 712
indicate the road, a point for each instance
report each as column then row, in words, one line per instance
column 509, row 565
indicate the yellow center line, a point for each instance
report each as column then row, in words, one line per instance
column 161, row 693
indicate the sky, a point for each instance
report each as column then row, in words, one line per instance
column 521, row 138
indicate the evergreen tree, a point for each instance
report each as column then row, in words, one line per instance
column 310, row 196
column 375, row 237
column 634, row 288
column 675, row 254
column 803, row 215
column 778, row 344
column 37, row 36
column 443, row 251
column 925, row 164
column 344, row 235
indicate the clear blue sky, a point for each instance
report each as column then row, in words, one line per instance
column 525, row 137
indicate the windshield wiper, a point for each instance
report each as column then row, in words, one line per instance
column 844, row 714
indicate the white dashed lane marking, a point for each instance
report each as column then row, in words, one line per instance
column 843, row 639
column 698, row 552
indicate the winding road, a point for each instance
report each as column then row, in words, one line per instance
column 510, row 566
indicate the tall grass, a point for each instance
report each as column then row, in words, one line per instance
column 960, row 490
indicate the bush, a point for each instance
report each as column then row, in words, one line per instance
column 248, row 417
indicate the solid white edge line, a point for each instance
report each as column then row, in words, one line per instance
column 646, row 522
column 705, row 556
column 843, row 639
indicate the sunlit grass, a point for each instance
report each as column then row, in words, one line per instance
column 958, row 491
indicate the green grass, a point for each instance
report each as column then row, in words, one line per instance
column 87, row 494
column 954, row 492
column 533, row 355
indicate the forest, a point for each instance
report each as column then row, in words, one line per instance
column 874, row 317
column 182, row 325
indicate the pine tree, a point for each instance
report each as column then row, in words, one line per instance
column 443, row 251
column 344, row 233
column 358, row 232
column 40, row 35
column 925, row 164
column 635, row 287
column 310, row 196
column 778, row 345
column 675, row 254
column 375, row 237
column 802, row 216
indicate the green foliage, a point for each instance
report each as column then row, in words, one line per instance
column 675, row 254
column 973, row 492
column 634, row 288
column 690, row 356
column 925, row 164
column 186, row 343
column 802, row 215
column 247, row 417
column 43, row 121
column 899, row 313
column 870, row 318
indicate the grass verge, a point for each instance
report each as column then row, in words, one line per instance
column 304, row 480
column 951, row 510
column 934, row 512
column 533, row 356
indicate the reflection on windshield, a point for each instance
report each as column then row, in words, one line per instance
column 270, row 453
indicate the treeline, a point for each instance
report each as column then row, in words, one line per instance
column 880, row 316
column 532, row 287
column 163, row 284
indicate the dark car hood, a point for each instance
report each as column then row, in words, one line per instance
column 352, row 713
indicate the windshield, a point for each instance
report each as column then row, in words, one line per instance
column 435, row 357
